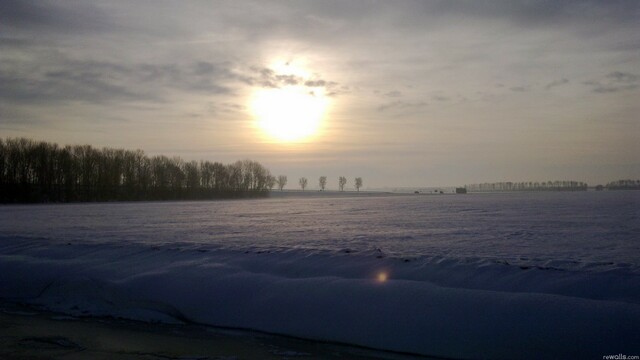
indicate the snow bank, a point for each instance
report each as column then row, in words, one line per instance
column 426, row 305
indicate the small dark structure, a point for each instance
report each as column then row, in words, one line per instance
column 599, row 187
column 461, row 190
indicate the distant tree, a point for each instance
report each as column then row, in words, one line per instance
column 271, row 182
column 193, row 178
column 281, row 182
column 322, row 182
column 358, row 183
column 342, row 181
column 627, row 184
column 530, row 186
column 303, row 182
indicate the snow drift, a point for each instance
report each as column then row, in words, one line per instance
column 432, row 306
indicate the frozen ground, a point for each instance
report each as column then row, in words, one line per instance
column 476, row 276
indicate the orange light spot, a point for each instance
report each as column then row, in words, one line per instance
column 382, row 277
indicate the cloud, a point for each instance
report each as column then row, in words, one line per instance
column 59, row 86
column 269, row 78
column 204, row 68
column 556, row 83
column 393, row 94
column 317, row 83
column 69, row 18
column 287, row 80
column 60, row 79
column 536, row 13
column 440, row 98
column 99, row 82
column 12, row 118
column 400, row 105
column 224, row 108
column 519, row 88
column 614, row 82
column 621, row 77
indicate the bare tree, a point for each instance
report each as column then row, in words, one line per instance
column 271, row 182
column 281, row 181
column 358, row 183
column 342, row 181
column 322, row 182
column 303, row 182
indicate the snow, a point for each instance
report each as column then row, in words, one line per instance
column 311, row 267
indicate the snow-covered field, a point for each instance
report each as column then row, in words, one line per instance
column 510, row 275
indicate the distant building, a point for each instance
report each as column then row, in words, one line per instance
column 461, row 190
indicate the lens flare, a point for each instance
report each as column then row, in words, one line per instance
column 382, row 277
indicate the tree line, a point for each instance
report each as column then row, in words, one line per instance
column 627, row 184
column 38, row 171
column 529, row 186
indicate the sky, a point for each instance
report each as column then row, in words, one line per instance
column 414, row 93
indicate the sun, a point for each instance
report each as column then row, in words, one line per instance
column 291, row 113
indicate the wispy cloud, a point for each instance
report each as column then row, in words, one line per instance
column 556, row 83
column 270, row 78
column 58, row 17
column 440, row 98
column 401, row 105
column 614, row 82
column 520, row 88
column 393, row 94
column 91, row 81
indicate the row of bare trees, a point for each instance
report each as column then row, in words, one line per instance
column 32, row 171
column 342, row 182
column 627, row 184
column 529, row 186
column 281, row 182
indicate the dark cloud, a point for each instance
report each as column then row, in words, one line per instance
column 55, row 86
column 10, row 43
column 614, row 82
column 58, row 16
column 537, row 13
column 101, row 82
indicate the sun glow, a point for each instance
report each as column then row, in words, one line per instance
column 290, row 113
column 291, row 110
